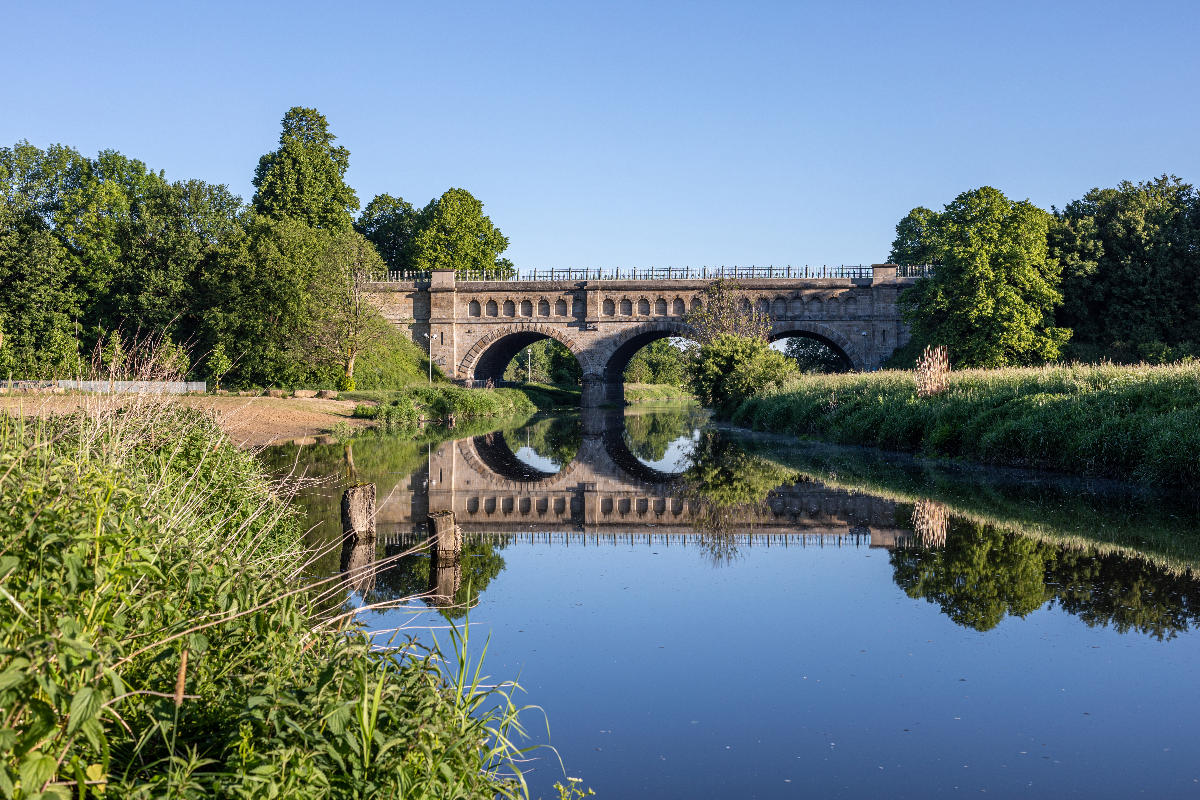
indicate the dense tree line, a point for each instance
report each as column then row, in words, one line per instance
column 1112, row 275
column 265, row 293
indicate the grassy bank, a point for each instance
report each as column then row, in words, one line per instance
column 440, row 402
column 657, row 393
column 1136, row 423
column 160, row 636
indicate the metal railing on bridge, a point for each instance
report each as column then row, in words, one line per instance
column 566, row 274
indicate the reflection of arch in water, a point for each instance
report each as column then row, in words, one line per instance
column 618, row 450
column 494, row 451
column 604, row 451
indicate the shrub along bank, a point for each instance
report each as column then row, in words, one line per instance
column 1133, row 423
column 406, row 408
column 159, row 636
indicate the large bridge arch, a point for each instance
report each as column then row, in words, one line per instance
column 832, row 337
column 615, row 354
column 473, row 327
column 488, row 357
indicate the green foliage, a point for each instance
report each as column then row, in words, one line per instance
column 393, row 361
column 442, row 401
column 724, row 475
column 814, row 356
column 545, row 361
column 304, row 180
column 391, row 225
column 649, row 434
column 1134, row 423
column 916, row 239
column 979, row 576
column 157, row 638
column 992, row 298
column 658, row 362
column 1130, row 257
column 657, row 393
column 725, row 310
column 455, row 234
column 218, row 364
column 729, row 368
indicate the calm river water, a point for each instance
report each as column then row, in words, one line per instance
column 703, row 613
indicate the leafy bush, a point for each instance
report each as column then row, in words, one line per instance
column 159, row 638
column 730, row 368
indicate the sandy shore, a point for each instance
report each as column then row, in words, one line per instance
column 249, row 421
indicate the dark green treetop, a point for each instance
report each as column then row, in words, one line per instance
column 1130, row 257
column 992, row 299
column 391, row 224
column 305, row 178
column 456, row 234
column 914, row 242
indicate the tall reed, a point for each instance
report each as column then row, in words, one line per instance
column 160, row 634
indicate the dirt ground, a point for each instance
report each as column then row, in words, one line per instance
column 249, row 421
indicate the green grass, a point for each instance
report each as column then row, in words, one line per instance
column 1136, row 423
column 160, row 636
column 657, row 393
column 393, row 362
column 439, row 403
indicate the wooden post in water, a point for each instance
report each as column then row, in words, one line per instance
column 358, row 537
column 445, row 550
column 445, row 537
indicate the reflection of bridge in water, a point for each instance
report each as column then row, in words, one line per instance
column 607, row 494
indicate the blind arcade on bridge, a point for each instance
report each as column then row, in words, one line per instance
column 474, row 328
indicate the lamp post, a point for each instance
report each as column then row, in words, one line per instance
column 429, row 356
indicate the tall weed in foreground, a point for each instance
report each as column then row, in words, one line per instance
column 159, row 635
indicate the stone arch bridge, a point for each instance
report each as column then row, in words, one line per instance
column 474, row 328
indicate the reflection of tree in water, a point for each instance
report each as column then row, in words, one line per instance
column 978, row 577
column 724, row 475
column 720, row 548
column 984, row 573
column 726, row 485
column 556, row 438
column 649, row 435
column 480, row 563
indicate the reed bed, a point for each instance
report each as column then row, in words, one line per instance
column 161, row 634
column 1138, row 423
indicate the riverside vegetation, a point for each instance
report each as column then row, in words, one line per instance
column 1128, row 422
column 161, row 636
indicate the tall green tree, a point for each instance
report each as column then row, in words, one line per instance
column 346, row 323
column 304, row 179
column 39, row 300
column 391, row 224
column 455, row 234
column 262, row 308
column 1130, row 257
column 915, row 238
column 991, row 301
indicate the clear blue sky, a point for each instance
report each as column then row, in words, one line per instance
column 639, row 133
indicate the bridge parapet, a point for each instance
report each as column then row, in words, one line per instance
column 473, row 328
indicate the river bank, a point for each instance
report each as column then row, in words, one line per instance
column 1134, row 423
column 161, row 638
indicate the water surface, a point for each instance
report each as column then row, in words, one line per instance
column 703, row 613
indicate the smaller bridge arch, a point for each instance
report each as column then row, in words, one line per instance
column 615, row 354
column 489, row 356
column 782, row 329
